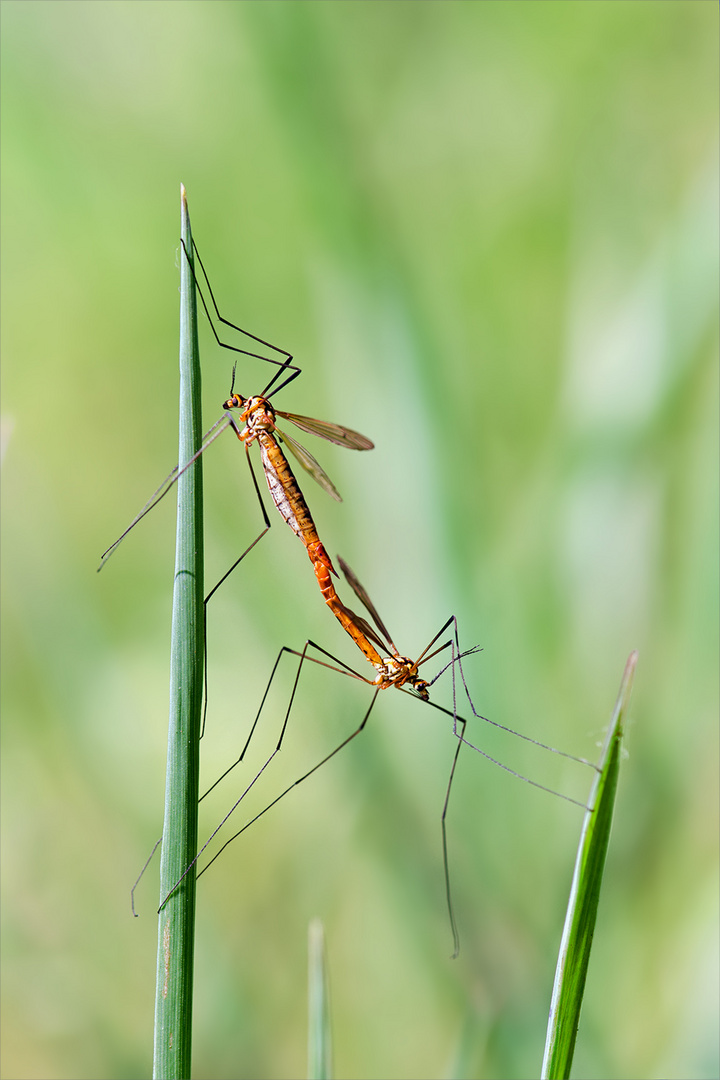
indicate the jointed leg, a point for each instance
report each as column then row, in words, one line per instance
column 227, row 574
column 343, row 670
column 457, row 658
column 282, row 365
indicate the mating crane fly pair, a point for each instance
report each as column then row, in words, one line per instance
column 256, row 422
column 258, row 417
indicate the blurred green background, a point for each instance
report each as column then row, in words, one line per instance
column 488, row 233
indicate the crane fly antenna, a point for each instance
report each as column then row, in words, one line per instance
column 455, row 659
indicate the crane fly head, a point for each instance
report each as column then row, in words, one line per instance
column 256, row 412
column 235, row 401
column 419, row 686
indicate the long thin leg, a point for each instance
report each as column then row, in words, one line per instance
column 238, row 760
column 139, row 877
column 344, row 669
column 209, row 437
column 459, row 728
column 457, row 658
column 284, row 649
column 205, row 620
column 283, row 365
column 353, row 735
column 446, row 861
column 303, row 656
column 459, row 720
column 227, row 574
column 288, row 789
column 233, row 326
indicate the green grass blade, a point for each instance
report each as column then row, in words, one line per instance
column 176, row 928
column 319, row 1042
column 574, row 956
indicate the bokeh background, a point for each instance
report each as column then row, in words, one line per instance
column 488, row 233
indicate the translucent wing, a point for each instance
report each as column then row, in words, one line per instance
column 365, row 599
column 335, row 433
column 309, row 463
column 370, row 632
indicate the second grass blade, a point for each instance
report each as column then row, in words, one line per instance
column 581, row 914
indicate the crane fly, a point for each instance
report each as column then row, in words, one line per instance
column 258, row 414
column 395, row 670
column 259, row 417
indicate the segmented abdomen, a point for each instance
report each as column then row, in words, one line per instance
column 289, row 499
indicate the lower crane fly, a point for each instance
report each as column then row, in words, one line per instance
column 393, row 670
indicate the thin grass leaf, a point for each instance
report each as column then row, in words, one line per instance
column 576, row 943
column 319, row 1041
column 176, row 927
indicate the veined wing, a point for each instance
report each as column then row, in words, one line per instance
column 365, row 599
column 335, row 433
column 371, row 633
column 309, row 463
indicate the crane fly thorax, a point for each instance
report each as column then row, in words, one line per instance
column 256, row 413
